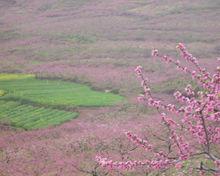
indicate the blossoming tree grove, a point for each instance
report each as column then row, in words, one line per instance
column 194, row 128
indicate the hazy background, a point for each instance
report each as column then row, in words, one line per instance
column 100, row 42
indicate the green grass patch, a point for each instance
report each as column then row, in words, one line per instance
column 71, row 3
column 76, row 38
column 30, row 117
column 8, row 35
column 55, row 92
column 45, row 7
column 82, row 39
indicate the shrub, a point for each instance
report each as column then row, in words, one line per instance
column 2, row 93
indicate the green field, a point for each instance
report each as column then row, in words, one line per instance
column 20, row 93
column 55, row 92
column 30, row 117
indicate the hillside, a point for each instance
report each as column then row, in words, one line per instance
column 68, row 88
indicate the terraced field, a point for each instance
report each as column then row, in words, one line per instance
column 20, row 93
column 30, row 117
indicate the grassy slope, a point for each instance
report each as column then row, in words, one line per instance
column 97, row 33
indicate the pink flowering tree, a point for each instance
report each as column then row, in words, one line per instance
column 193, row 129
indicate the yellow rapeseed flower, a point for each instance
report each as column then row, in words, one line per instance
column 10, row 76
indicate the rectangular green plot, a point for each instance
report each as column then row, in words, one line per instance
column 7, row 107
column 13, row 112
column 49, row 117
column 55, row 121
column 24, row 118
column 8, row 104
column 30, row 117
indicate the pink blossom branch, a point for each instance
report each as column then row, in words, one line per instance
column 198, row 77
column 190, row 58
column 138, row 141
column 200, row 117
column 148, row 98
